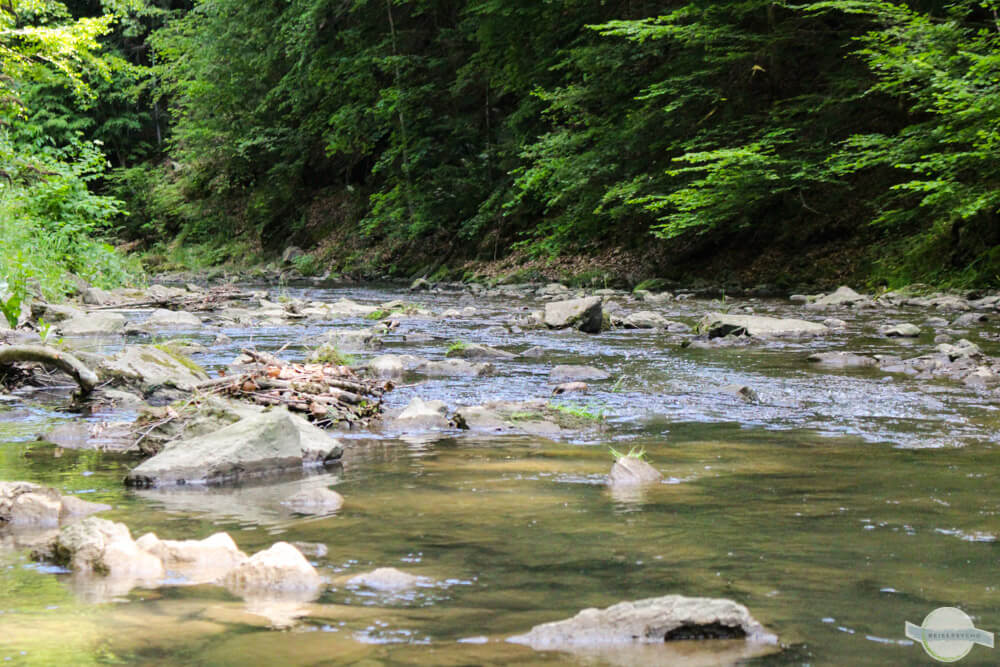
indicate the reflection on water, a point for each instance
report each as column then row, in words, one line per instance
column 815, row 510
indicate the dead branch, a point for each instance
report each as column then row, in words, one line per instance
column 48, row 356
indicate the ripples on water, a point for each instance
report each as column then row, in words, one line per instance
column 836, row 509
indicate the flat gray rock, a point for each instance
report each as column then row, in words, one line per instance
column 717, row 325
column 271, row 441
column 93, row 324
column 653, row 620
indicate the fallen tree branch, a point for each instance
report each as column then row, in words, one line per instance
column 48, row 356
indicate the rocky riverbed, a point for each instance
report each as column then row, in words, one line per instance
column 508, row 455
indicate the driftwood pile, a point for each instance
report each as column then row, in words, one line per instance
column 325, row 393
column 209, row 299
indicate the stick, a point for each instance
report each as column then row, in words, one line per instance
column 48, row 356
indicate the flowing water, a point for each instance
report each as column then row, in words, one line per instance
column 839, row 507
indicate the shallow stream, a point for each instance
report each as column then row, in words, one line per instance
column 842, row 505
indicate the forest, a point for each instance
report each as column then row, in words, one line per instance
column 804, row 142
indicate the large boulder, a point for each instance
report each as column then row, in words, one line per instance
column 151, row 367
column 653, row 620
column 583, row 314
column 99, row 546
column 717, row 325
column 280, row 570
column 271, row 441
column 93, row 324
column 23, row 504
column 198, row 561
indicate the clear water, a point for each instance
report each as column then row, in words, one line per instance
column 840, row 507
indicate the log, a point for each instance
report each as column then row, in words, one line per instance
column 264, row 358
column 67, row 363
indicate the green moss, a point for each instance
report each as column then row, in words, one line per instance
column 330, row 354
column 457, row 346
column 578, row 411
column 652, row 285
column 177, row 356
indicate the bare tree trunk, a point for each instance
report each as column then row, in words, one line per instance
column 399, row 111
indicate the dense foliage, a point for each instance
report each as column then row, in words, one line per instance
column 51, row 220
column 464, row 128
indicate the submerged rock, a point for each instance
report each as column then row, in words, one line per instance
column 386, row 579
column 717, row 325
column 653, row 620
column 24, row 504
column 842, row 360
column 281, row 570
column 198, row 561
column 476, row 351
column 271, row 441
column 455, row 367
column 631, row 471
column 569, row 387
column 583, row 314
column 320, row 500
column 561, row 374
column 742, row 391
